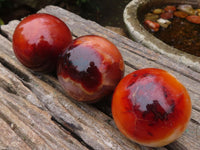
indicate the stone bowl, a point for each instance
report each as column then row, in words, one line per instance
column 132, row 14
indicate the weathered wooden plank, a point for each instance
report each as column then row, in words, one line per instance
column 195, row 97
column 12, row 86
column 33, row 126
column 135, row 55
column 95, row 128
column 80, row 26
column 30, row 123
column 76, row 117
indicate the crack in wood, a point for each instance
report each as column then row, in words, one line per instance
column 176, row 146
column 131, row 65
column 195, row 108
column 69, row 128
column 195, row 122
column 15, row 70
column 3, row 33
column 7, row 87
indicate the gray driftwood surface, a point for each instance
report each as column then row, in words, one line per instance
column 35, row 113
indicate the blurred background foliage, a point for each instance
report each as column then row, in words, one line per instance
column 104, row 12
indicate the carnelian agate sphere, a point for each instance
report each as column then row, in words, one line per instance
column 39, row 39
column 90, row 68
column 151, row 107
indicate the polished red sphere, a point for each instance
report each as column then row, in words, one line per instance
column 39, row 39
column 151, row 107
column 90, row 68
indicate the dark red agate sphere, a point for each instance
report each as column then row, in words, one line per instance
column 39, row 39
column 90, row 68
column 151, row 107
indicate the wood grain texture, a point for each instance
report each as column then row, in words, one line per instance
column 31, row 124
column 36, row 113
column 85, row 122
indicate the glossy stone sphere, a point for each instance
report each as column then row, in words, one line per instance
column 39, row 39
column 90, row 68
column 151, row 107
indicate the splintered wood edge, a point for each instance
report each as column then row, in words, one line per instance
column 50, row 108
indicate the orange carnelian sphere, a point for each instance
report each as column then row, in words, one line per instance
column 151, row 107
column 90, row 68
column 39, row 39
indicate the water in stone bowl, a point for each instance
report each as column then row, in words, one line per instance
column 171, row 27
